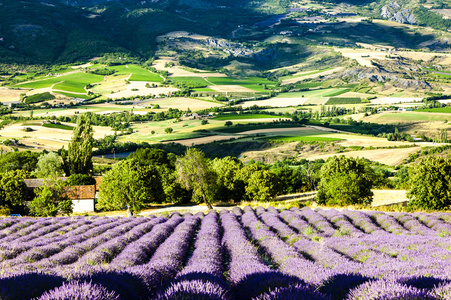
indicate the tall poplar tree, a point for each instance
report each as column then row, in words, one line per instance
column 78, row 158
column 193, row 172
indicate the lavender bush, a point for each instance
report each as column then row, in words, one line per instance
column 244, row 254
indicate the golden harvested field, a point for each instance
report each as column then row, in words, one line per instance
column 183, row 103
column 445, row 12
column 391, row 157
column 111, row 84
column 362, row 56
column 387, row 197
column 302, row 77
column 138, row 88
column 445, row 58
column 47, row 138
column 55, row 112
column 395, row 100
column 8, row 95
column 177, row 71
column 316, row 100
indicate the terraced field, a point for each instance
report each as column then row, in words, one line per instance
column 238, row 254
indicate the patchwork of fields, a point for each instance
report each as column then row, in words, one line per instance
column 238, row 254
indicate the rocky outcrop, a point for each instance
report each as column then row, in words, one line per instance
column 375, row 75
column 234, row 49
column 395, row 12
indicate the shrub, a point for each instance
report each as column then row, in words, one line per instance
column 4, row 211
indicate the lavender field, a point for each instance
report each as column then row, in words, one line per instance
column 238, row 254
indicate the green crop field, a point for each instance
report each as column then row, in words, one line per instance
column 245, row 117
column 253, row 83
column 197, row 80
column 74, row 95
column 312, row 93
column 337, row 93
column 302, row 139
column 136, row 72
column 446, row 109
column 305, row 74
column 140, row 74
column 343, row 100
column 70, row 83
column 243, row 128
column 59, row 126
column 407, row 117
column 39, row 98
column 160, row 137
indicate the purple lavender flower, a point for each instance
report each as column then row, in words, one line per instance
column 384, row 289
column 79, row 291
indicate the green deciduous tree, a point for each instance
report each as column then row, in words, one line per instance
column 345, row 181
column 78, row 158
column 228, row 185
column 262, row 186
column 173, row 190
column 151, row 156
column 23, row 160
column 194, row 173
column 132, row 185
column 49, row 165
column 14, row 189
column 165, row 164
column 290, row 180
column 260, row 183
column 51, row 199
column 430, row 183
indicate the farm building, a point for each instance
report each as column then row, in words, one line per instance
column 83, row 197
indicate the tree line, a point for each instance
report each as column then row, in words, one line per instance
column 152, row 175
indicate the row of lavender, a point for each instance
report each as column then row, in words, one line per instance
column 241, row 254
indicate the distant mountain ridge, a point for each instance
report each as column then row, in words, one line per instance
column 84, row 3
column 63, row 31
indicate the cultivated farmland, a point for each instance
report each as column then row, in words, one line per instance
column 238, row 254
column 71, row 83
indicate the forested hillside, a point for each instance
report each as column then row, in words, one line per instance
column 62, row 31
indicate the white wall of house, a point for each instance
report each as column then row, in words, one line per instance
column 82, row 206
